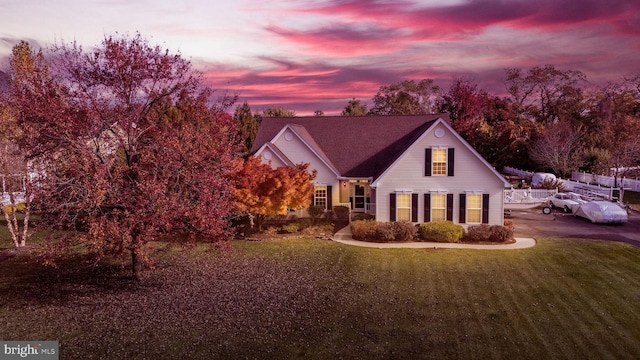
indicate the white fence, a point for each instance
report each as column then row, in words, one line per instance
column 588, row 191
column 527, row 195
column 609, row 181
column 596, row 187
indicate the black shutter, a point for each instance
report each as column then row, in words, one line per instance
column 463, row 208
column 427, row 162
column 329, row 198
column 450, row 207
column 392, row 207
column 427, row 207
column 414, row 207
column 485, row 208
column 450, row 161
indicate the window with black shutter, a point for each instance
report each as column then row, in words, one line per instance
column 427, row 207
column 485, row 208
column 392, row 207
column 463, row 209
column 414, row 207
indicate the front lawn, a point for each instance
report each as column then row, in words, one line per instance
column 316, row 299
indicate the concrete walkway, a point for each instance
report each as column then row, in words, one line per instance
column 344, row 236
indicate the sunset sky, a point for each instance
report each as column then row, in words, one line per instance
column 308, row 55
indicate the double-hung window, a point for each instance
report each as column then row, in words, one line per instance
column 439, row 162
column 438, row 207
column 403, row 206
column 474, row 208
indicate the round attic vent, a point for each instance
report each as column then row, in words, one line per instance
column 288, row 136
column 439, row 133
column 267, row 155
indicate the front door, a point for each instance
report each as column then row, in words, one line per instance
column 358, row 197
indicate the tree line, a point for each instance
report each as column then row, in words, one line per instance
column 550, row 120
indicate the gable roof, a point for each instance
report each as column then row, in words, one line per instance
column 355, row 146
column 463, row 141
column 279, row 154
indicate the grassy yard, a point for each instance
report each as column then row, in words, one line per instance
column 315, row 299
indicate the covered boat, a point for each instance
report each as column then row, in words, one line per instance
column 605, row 212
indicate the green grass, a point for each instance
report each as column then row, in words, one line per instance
column 315, row 299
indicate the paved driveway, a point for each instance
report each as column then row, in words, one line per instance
column 533, row 223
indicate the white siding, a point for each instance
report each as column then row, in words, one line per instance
column 470, row 174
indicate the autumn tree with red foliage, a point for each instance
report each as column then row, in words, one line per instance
column 261, row 191
column 131, row 145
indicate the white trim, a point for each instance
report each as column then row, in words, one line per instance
column 474, row 192
column 274, row 151
column 403, row 191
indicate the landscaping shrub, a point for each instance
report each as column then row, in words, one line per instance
column 500, row 234
column 477, row 233
column 271, row 231
column 277, row 220
column 364, row 229
column 317, row 230
column 19, row 208
column 315, row 212
column 329, row 215
column 341, row 212
column 304, row 223
column 291, row 228
column 404, row 230
column 441, row 231
column 384, row 232
column 484, row 232
column 362, row 216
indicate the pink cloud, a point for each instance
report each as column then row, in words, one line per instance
column 343, row 40
column 473, row 16
column 302, row 87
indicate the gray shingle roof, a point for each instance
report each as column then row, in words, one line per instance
column 357, row 146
